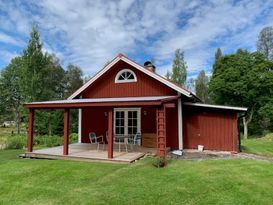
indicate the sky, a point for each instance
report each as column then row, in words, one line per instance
column 91, row 33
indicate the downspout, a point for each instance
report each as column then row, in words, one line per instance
column 238, row 130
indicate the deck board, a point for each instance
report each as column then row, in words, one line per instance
column 89, row 152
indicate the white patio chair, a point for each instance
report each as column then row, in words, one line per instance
column 96, row 140
column 134, row 140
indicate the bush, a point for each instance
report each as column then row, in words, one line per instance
column 20, row 141
column 15, row 142
column 160, row 162
column 73, row 138
column 48, row 141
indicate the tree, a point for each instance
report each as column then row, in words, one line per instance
column 265, row 42
column 179, row 69
column 243, row 79
column 34, row 69
column 218, row 54
column 201, row 86
column 190, row 84
column 73, row 79
column 11, row 95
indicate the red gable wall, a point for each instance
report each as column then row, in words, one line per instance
column 105, row 86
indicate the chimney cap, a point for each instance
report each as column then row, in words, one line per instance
column 149, row 64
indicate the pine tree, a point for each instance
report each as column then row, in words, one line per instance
column 218, row 54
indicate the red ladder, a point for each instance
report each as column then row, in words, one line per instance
column 161, row 132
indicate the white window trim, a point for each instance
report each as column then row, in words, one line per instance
column 125, row 81
column 126, row 117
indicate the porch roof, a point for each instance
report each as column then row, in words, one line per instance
column 94, row 102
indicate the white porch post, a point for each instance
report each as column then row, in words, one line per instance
column 80, row 126
column 180, row 124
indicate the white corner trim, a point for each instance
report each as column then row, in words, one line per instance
column 180, row 124
column 125, row 80
column 80, row 126
column 135, row 65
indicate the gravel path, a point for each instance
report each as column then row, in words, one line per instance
column 213, row 155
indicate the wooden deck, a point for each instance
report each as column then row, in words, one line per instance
column 89, row 152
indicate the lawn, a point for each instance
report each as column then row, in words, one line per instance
column 260, row 146
column 230, row 181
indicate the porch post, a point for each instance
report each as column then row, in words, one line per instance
column 161, row 132
column 80, row 126
column 30, row 130
column 66, row 131
column 110, row 134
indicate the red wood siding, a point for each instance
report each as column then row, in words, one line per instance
column 94, row 120
column 215, row 129
column 105, row 86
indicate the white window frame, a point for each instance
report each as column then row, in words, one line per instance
column 126, row 118
column 128, row 80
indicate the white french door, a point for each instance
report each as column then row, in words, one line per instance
column 126, row 121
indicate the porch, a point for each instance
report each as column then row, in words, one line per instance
column 89, row 152
column 107, row 116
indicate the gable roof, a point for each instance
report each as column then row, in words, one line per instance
column 121, row 57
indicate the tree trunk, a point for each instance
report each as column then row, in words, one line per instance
column 247, row 121
column 245, row 127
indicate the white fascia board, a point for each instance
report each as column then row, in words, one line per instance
column 216, row 106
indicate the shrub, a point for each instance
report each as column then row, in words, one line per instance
column 73, row 138
column 160, row 162
column 16, row 142
column 48, row 141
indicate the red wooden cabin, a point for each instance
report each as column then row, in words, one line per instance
column 126, row 97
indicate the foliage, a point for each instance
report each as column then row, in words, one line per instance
column 179, row 69
column 201, row 86
column 242, row 79
column 11, row 93
column 73, row 79
column 265, row 42
column 160, row 162
column 237, row 181
column 15, row 142
column 37, row 76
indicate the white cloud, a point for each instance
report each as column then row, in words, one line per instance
column 6, row 56
column 90, row 33
column 4, row 38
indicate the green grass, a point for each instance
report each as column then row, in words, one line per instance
column 230, row 181
column 260, row 146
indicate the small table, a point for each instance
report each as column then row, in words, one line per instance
column 121, row 140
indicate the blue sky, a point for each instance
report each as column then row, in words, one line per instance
column 90, row 33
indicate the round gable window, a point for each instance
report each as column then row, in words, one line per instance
column 125, row 76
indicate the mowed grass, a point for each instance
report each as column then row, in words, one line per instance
column 230, row 181
column 260, row 146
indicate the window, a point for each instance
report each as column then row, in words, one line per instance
column 125, row 76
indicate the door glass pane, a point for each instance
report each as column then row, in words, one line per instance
column 119, row 129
